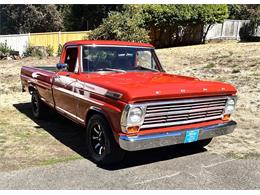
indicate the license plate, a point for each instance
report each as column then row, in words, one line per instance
column 191, row 136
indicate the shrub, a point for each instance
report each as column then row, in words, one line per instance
column 49, row 50
column 36, row 51
column 28, row 51
column 123, row 26
column 59, row 50
column 4, row 48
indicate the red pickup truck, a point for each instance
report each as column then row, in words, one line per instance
column 125, row 100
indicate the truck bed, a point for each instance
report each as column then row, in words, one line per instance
column 50, row 68
column 40, row 76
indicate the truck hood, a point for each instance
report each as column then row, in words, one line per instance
column 143, row 86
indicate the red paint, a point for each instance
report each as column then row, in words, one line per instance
column 104, row 42
column 142, row 86
column 134, row 87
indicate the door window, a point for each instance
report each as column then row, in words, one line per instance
column 71, row 59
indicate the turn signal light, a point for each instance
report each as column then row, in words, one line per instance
column 132, row 130
column 226, row 117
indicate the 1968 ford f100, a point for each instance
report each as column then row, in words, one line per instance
column 125, row 100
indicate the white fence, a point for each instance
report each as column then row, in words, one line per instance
column 17, row 42
column 229, row 29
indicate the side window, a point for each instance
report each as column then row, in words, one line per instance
column 71, row 58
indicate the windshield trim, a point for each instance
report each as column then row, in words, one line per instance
column 160, row 68
column 94, row 45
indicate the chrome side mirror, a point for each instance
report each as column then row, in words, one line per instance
column 62, row 67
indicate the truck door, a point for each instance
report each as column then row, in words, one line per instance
column 64, row 84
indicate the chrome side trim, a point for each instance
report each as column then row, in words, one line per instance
column 142, row 142
column 70, row 114
column 84, row 97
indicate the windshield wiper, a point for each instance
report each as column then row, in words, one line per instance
column 111, row 69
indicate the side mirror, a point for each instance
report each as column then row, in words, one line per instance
column 61, row 66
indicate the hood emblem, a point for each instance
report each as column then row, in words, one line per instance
column 157, row 92
column 223, row 88
column 205, row 89
column 183, row 90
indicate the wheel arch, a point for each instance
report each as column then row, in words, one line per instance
column 95, row 110
column 31, row 88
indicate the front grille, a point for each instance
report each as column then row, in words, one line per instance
column 178, row 112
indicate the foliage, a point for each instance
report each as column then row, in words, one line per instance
column 4, row 48
column 59, row 49
column 124, row 26
column 165, row 15
column 29, row 18
column 28, row 51
column 38, row 51
column 85, row 17
column 49, row 50
column 246, row 12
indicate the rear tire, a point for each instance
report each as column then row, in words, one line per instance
column 39, row 109
column 101, row 145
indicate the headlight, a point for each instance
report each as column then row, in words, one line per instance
column 230, row 105
column 135, row 115
column 132, row 116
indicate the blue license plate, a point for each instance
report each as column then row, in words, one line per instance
column 191, row 136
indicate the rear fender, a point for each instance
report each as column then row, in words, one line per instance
column 31, row 88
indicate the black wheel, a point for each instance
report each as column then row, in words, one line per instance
column 101, row 145
column 38, row 107
column 200, row 144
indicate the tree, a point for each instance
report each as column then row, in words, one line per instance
column 124, row 26
column 177, row 20
column 246, row 12
column 29, row 18
column 86, row 17
column 164, row 16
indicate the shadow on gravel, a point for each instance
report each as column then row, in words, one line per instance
column 72, row 136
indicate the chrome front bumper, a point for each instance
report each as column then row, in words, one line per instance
column 142, row 142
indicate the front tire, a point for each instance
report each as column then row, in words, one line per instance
column 101, row 145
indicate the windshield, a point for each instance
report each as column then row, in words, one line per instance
column 119, row 59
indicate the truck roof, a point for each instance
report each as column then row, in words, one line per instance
column 107, row 42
